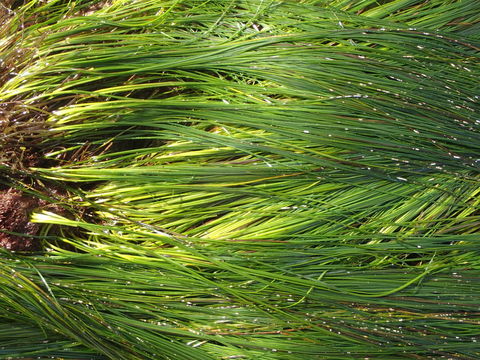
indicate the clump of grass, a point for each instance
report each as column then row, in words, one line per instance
column 274, row 180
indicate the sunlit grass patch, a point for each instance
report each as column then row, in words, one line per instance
column 242, row 179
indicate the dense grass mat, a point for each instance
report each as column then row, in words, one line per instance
column 239, row 179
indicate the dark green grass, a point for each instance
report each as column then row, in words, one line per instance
column 245, row 179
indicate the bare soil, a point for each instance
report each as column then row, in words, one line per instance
column 15, row 211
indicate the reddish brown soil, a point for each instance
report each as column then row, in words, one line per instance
column 15, row 211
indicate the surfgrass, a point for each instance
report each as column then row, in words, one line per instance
column 243, row 179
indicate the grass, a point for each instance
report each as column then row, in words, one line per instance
column 243, row 179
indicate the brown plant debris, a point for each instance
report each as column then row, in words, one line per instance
column 15, row 211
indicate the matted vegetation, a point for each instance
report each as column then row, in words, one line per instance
column 241, row 179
